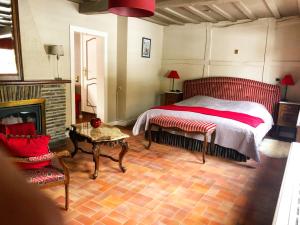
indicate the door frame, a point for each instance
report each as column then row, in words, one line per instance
column 103, row 94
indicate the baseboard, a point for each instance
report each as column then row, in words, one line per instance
column 122, row 123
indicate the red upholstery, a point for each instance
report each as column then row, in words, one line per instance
column 27, row 147
column 237, row 89
column 184, row 124
column 43, row 175
column 20, row 129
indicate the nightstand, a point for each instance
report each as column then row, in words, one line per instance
column 172, row 97
column 288, row 115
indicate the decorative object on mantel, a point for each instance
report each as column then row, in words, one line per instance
column 287, row 81
column 57, row 50
column 173, row 75
column 132, row 8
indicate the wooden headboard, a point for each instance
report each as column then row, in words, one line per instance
column 237, row 89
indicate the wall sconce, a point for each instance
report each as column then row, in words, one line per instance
column 57, row 50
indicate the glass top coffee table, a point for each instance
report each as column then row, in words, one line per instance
column 103, row 135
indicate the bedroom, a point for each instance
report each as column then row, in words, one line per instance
column 260, row 43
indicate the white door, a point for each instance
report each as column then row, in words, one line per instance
column 90, row 73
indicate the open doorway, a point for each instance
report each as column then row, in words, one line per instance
column 88, row 69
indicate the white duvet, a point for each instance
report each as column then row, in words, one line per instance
column 230, row 133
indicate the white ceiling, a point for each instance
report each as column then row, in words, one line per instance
column 196, row 11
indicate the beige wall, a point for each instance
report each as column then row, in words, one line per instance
column 48, row 22
column 268, row 49
column 44, row 22
column 143, row 80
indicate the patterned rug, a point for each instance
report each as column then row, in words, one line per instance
column 274, row 148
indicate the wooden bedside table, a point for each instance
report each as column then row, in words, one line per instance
column 288, row 115
column 172, row 97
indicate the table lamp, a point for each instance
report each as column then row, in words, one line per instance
column 287, row 81
column 57, row 50
column 174, row 75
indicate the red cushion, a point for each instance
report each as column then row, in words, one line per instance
column 20, row 129
column 28, row 147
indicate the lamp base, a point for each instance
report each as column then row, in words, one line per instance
column 57, row 78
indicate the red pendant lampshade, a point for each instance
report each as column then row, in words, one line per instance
column 173, row 74
column 132, row 8
column 6, row 43
column 288, row 80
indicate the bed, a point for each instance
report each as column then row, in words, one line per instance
column 234, row 140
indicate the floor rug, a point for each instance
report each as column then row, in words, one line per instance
column 274, row 148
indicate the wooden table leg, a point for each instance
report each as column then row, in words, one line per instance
column 74, row 140
column 204, row 149
column 124, row 150
column 212, row 140
column 149, row 136
column 96, row 154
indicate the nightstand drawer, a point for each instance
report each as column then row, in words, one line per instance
column 173, row 97
column 288, row 114
column 289, row 108
column 287, row 119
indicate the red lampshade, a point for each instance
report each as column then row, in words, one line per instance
column 288, row 80
column 6, row 43
column 132, row 8
column 173, row 74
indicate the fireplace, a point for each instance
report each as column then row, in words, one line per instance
column 31, row 110
column 52, row 112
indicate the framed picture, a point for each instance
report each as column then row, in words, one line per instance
column 146, row 47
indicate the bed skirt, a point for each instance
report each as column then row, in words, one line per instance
column 191, row 144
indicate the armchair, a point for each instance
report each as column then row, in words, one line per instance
column 50, row 175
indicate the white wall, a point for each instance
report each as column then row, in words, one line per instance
column 143, row 74
column 48, row 22
column 268, row 49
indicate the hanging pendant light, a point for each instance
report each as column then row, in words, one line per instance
column 132, row 8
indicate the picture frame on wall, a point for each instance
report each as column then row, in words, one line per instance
column 146, row 47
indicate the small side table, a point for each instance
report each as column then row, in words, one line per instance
column 103, row 135
column 173, row 97
column 288, row 115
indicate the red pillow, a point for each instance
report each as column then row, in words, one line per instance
column 28, row 147
column 20, row 129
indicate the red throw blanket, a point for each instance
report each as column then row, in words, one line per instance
column 241, row 117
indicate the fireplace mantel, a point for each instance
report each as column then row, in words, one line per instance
column 26, row 82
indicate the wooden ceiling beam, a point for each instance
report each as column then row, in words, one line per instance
column 184, row 3
column 201, row 14
column 245, row 10
column 5, row 22
column 5, row 5
column 5, row 13
column 160, row 15
column 96, row 7
column 5, row 30
column 273, row 8
column 152, row 20
column 181, row 16
column 220, row 11
column 5, row 16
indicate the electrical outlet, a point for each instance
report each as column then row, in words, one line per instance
column 236, row 51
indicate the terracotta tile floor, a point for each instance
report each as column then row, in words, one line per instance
column 167, row 185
